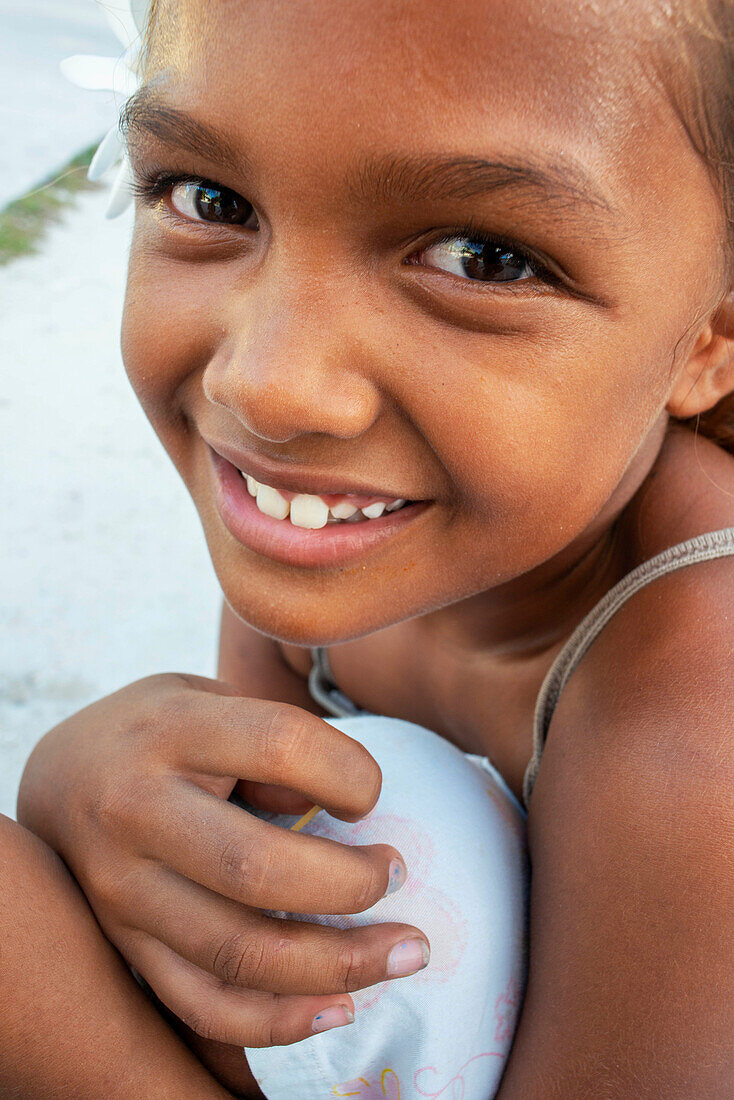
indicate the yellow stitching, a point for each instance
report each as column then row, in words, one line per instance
column 382, row 1080
column 363, row 1079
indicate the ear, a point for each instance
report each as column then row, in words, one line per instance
column 708, row 374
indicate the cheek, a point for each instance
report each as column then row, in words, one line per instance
column 536, row 443
column 168, row 336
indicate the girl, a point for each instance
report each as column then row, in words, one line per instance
column 457, row 276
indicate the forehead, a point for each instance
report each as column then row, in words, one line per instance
column 310, row 85
column 502, row 63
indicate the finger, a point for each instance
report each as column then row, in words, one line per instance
column 266, row 796
column 258, row 863
column 277, row 744
column 230, row 1014
column 244, row 947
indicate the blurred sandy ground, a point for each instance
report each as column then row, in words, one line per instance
column 104, row 577
column 104, row 574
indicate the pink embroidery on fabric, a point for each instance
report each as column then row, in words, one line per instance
column 505, row 1012
column 377, row 828
column 457, row 1083
column 448, row 927
column 388, row 1089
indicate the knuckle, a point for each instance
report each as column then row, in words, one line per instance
column 239, row 960
column 367, row 790
column 118, row 893
column 103, row 891
column 116, row 803
column 175, row 710
column 353, row 969
column 369, row 890
column 275, row 1028
column 167, row 705
column 280, row 1029
column 244, row 867
column 286, row 736
column 256, row 963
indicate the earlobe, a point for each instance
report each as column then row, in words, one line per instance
column 708, row 374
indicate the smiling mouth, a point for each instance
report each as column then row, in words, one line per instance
column 313, row 512
column 303, row 529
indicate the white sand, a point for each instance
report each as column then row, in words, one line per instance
column 105, row 573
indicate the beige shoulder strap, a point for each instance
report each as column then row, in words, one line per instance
column 323, row 689
column 714, row 544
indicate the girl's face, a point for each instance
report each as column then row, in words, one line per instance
column 445, row 251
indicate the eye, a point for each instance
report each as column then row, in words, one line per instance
column 481, row 259
column 200, row 200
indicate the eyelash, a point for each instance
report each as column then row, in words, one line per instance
column 153, row 187
column 470, row 230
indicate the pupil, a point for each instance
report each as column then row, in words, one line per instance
column 491, row 261
column 215, row 205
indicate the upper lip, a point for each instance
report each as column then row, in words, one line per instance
column 298, row 478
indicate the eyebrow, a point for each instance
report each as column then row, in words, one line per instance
column 145, row 112
column 561, row 183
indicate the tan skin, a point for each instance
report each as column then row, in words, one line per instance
column 327, row 334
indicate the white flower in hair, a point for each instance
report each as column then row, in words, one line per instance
column 120, row 76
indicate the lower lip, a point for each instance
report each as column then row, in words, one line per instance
column 333, row 545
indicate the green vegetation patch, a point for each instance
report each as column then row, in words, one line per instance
column 24, row 222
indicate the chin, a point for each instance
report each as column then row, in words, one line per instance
column 309, row 609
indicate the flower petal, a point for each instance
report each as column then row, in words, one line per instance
column 109, row 152
column 121, row 195
column 139, row 10
column 126, row 81
column 88, row 71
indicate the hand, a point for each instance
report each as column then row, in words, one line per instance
column 132, row 793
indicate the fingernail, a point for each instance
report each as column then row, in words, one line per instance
column 396, row 877
column 407, row 958
column 336, row 1016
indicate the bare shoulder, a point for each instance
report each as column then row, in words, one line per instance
column 631, row 827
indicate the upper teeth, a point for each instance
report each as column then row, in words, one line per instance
column 307, row 511
column 271, row 502
column 310, row 511
column 343, row 510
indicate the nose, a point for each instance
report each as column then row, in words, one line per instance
column 292, row 366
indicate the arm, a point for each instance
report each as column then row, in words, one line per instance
column 74, row 1021
column 631, row 982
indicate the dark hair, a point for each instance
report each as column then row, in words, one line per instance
column 697, row 67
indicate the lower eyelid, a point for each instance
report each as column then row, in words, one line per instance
column 448, row 286
column 175, row 222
